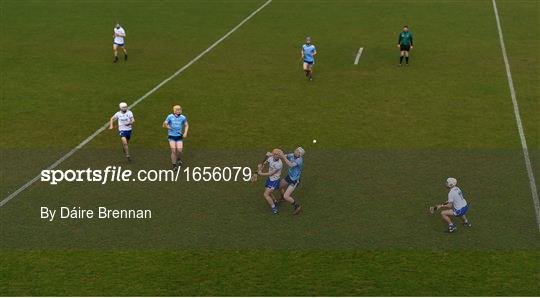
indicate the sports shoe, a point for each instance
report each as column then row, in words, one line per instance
column 452, row 228
column 125, row 58
column 128, row 158
column 275, row 210
column 467, row 224
column 297, row 209
column 115, row 59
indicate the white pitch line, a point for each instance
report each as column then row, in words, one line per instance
column 104, row 126
column 360, row 50
column 528, row 164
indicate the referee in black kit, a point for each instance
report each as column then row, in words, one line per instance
column 405, row 44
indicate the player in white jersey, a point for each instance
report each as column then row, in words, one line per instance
column 119, row 36
column 125, row 121
column 455, row 206
column 274, row 173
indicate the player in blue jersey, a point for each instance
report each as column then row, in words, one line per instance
column 178, row 127
column 308, row 53
column 295, row 162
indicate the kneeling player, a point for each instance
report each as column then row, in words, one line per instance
column 274, row 172
column 125, row 120
column 295, row 162
column 456, row 206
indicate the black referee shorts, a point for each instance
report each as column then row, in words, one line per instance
column 405, row 47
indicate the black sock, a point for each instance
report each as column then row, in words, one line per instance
column 400, row 59
column 407, row 60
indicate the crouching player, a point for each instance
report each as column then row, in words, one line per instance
column 274, row 173
column 295, row 162
column 456, row 206
column 125, row 120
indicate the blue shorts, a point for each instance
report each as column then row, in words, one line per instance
column 118, row 44
column 125, row 134
column 175, row 138
column 309, row 62
column 291, row 182
column 272, row 184
column 461, row 212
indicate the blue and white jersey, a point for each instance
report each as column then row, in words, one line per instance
column 296, row 171
column 124, row 120
column 455, row 196
column 119, row 39
column 176, row 124
column 274, row 165
column 309, row 50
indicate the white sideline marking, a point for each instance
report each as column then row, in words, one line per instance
column 360, row 50
column 528, row 164
column 104, row 126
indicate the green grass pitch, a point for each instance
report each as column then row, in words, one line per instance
column 387, row 137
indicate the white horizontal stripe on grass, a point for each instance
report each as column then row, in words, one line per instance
column 528, row 165
column 136, row 102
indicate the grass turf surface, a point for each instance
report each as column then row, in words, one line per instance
column 247, row 273
column 387, row 137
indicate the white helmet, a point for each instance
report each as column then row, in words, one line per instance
column 123, row 105
column 451, row 182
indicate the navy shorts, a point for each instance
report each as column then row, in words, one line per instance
column 125, row 134
column 175, row 138
column 118, row 44
column 309, row 62
column 291, row 182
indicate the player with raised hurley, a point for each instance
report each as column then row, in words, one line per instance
column 118, row 41
column 125, row 121
column 178, row 127
column 456, row 206
column 308, row 53
column 274, row 173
